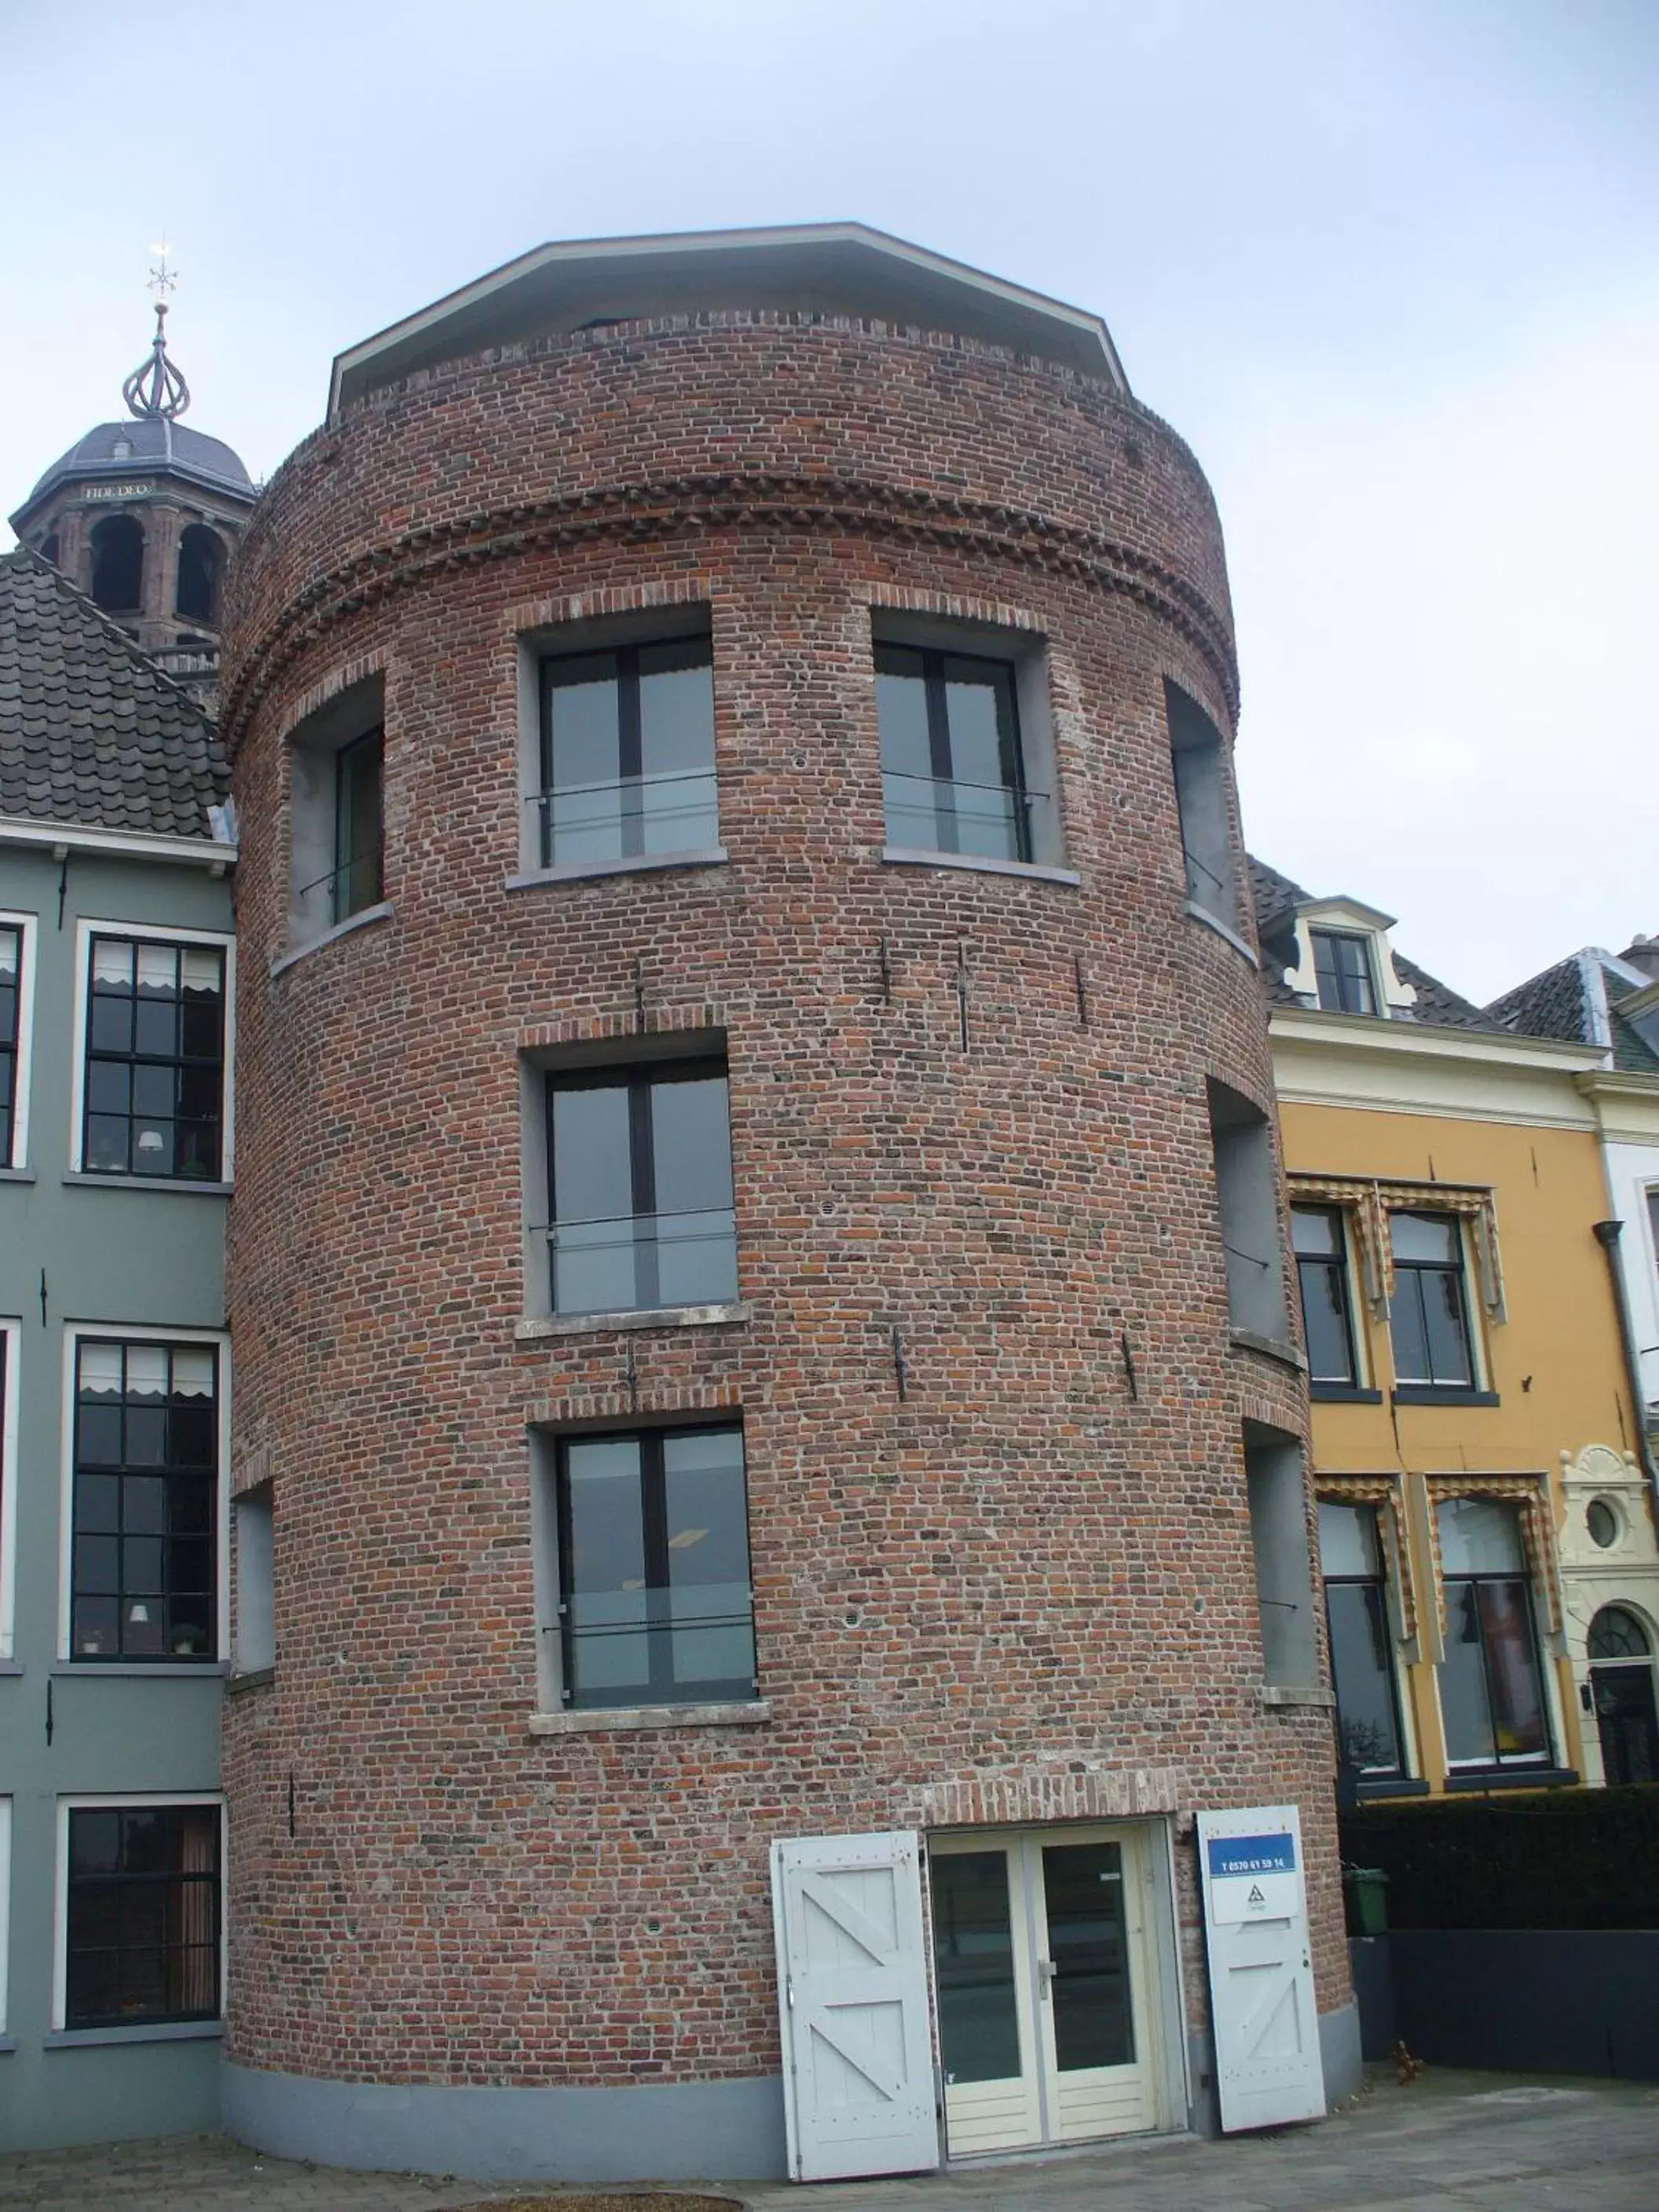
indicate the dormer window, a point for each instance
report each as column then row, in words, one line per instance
column 1342, row 964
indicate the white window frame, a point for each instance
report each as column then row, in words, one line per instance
column 216, row 940
column 1474, row 1304
column 5, row 1905
column 1364, row 1378
column 129, row 1333
column 11, row 1333
column 129, row 1800
column 27, row 925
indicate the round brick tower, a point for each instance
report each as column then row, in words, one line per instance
column 755, row 1282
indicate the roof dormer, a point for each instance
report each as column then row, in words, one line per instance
column 1345, row 962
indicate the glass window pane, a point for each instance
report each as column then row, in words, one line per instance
column 1517, row 1697
column 691, row 1144
column 583, row 765
column 603, row 1568
column 901, row 711
column 94, row 1842
column 676, row 747
column 1479, row 1536
column 591, row 1175
column 1317, row 1230
column 1083, row 1889
column 1448, row 1333
column 109, row 1087
column 1325, row 1320
column 707, row 1529
column 1362, row 1662
column 1463, row 1707
column 979, row 706
column 1407, row 1330
column 1433, row 1237
column 1348, row 1540
column 974, row 1965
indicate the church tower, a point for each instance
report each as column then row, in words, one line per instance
column 143, row 514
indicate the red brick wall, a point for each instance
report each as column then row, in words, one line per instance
column 1023, row 1582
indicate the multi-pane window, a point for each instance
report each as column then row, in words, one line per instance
column 1491, row 1693
column 11, row 1010
column 628, row 753
column 1321, row 1267
column 1197, row 761
column 1362, row 1645
column 953, row 772
column 654, row 1598
column 143, row 1579
column 639, row 1174
column 1342, row 966
column 1429, row 1313
column 154, row 1059
column 358, row 824
column 142, row 1931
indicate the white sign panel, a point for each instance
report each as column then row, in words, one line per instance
column 1262, row 1995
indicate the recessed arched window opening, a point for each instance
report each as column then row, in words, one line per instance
column 201, row 565
column 117, row 564
column 49, row 549
column 1622, row 1695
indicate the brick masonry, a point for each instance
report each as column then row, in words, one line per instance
column 1022, row 1592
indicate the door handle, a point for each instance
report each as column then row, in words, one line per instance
column 1046, row 1972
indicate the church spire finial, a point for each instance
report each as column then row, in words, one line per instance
column 155, row 387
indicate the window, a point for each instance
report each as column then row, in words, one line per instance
column 1342, row 965
column 1199, row 761
column 953, row 770
column 1491, row 1694
column 201, row 568
column 143, row 1576
column 337, row 815
column 256, row 1626
column 1361, row 1643
column 639, row 1178
column 1428, row 1314
column 5, row 1902
column 1247, row 1192
column 10, row 1335
column 654, row 1605
column 117, row 564
column 142, row 1914
column 1322, row 1265
column 16, row 974
column 628, row 753
column 1278, row 1541
column 358, row 827
column 154, row 1089
column 1653, row 1217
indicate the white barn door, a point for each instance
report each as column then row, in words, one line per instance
column 858, row 2095
column 1267, row 2065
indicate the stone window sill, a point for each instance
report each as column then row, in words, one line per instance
column 154, row 2031
column 545, row 1325
column 152, row 1670
column 1343, row 1394
column 1214, row 921
column 6, row 2045
column 581, row 872
column 1270, row 1347
column 983, row 864
column 256, row 1678
column 11, row 1666
column 1514, row 1777
column 16, row 1175
column 1429, row 1394
column 1402, row 1785
column 1281, row 1695
column 633, row 1719
column 353, row 921
column 180, row 1186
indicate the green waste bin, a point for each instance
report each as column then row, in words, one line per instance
column 1367, row 1889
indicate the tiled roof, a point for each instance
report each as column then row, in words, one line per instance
column 91, row 730
column 1578, row 1000
column 1277, row 898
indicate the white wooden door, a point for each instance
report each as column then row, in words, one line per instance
column 858, row 2058
column 1262, row 1991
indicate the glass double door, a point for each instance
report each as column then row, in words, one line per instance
column 1039, row 1952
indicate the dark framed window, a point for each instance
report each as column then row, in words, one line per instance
column 1199, row 764
column 1352, row 1558
column 1342, row 965
column 144, row 1564
column 639, row 1175
column 359, row 825
column 1491, row 1690
column 143, row 1926
column 11, row 1015
column 953, row 771
column 1429, row 1313
column 627, row 753
column 655, row 1600
column 1319, row 1238
column 154, row 1059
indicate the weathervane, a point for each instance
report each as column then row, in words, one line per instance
column 155, row 388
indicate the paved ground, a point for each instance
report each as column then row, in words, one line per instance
column 1455, row 2142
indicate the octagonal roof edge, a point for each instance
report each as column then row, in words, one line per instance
column 831, row 267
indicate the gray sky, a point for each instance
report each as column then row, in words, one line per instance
column 1391, row 267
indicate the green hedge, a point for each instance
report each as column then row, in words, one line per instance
column 1561, row 1858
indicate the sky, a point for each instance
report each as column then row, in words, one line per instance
column 1390, row 266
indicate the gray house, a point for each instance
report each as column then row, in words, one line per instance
column 117, row 1002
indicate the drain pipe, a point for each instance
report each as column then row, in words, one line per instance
column 1607, row 1233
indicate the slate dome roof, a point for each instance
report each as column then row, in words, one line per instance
column 150, row 441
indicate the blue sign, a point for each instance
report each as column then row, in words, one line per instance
column 1233, row 1857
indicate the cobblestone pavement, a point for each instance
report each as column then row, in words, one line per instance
column 1455, row 2142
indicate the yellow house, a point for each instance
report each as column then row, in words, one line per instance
column 1473, row 1398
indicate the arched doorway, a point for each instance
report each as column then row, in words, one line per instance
column 117, row 564
column 201, row 565
column 1621, row 1688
